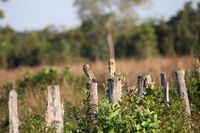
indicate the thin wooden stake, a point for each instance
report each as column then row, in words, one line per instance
column 165, row 86
column 54, row 109
column 182, row 90
column 114, row 90
column 13, row 112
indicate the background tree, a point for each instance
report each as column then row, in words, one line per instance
column 180, row 35
column 107, row 14
column 165, row 38
column 1, row 11
column 141, row 42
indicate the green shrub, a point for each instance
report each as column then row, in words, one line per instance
column 193, row 84
column 35, row 124
column 136, row 114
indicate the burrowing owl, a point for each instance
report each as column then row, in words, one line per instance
column 89, row 74
column 112, row 68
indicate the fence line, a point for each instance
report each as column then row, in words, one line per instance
column 54, row 107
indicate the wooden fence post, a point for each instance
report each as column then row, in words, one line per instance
column 54, row 108
column 114, row 90
column 165, row 87
column 147, row 80
column 13, row 112
column 93, row 96
column 182, row 90
column 140, row 85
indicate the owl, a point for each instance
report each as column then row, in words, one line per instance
column 89, row 74
column 112, row 68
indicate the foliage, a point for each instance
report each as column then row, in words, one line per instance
column 35, row 123
column 193, row 84
column 136, row 114
column 94, row 47
column 180, row 34
column 141, row 42
column 42, row 79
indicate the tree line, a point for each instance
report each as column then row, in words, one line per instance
column 178, row 36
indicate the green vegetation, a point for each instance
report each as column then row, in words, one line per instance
column 35, row 123
column 193, row 84
column 177, row 36
column 145, row 114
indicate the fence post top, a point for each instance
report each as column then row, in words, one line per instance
column 53, row 86
column 111, row 60
column 163, row 73
column 91, row 83
column 12, row 92
column 180, row 71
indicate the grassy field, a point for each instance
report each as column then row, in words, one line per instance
column 129, row 67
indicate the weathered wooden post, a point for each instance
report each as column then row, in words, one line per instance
column 140, row 85
column 93, row 96
column 114, row 84
column 92, row 104
column 165, row 87
column 13, row 112
column 114, row 90
column 182, row 90
column 92, row 99
column 147, row 80
column 54, row 108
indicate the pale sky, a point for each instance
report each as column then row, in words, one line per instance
column 38, row 14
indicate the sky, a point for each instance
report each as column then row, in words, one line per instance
column 23, row 15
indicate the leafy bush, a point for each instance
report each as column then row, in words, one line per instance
column 35, row 123
column 136, row 114
column 128, row 116
column 44, row 78
column 193, row 84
